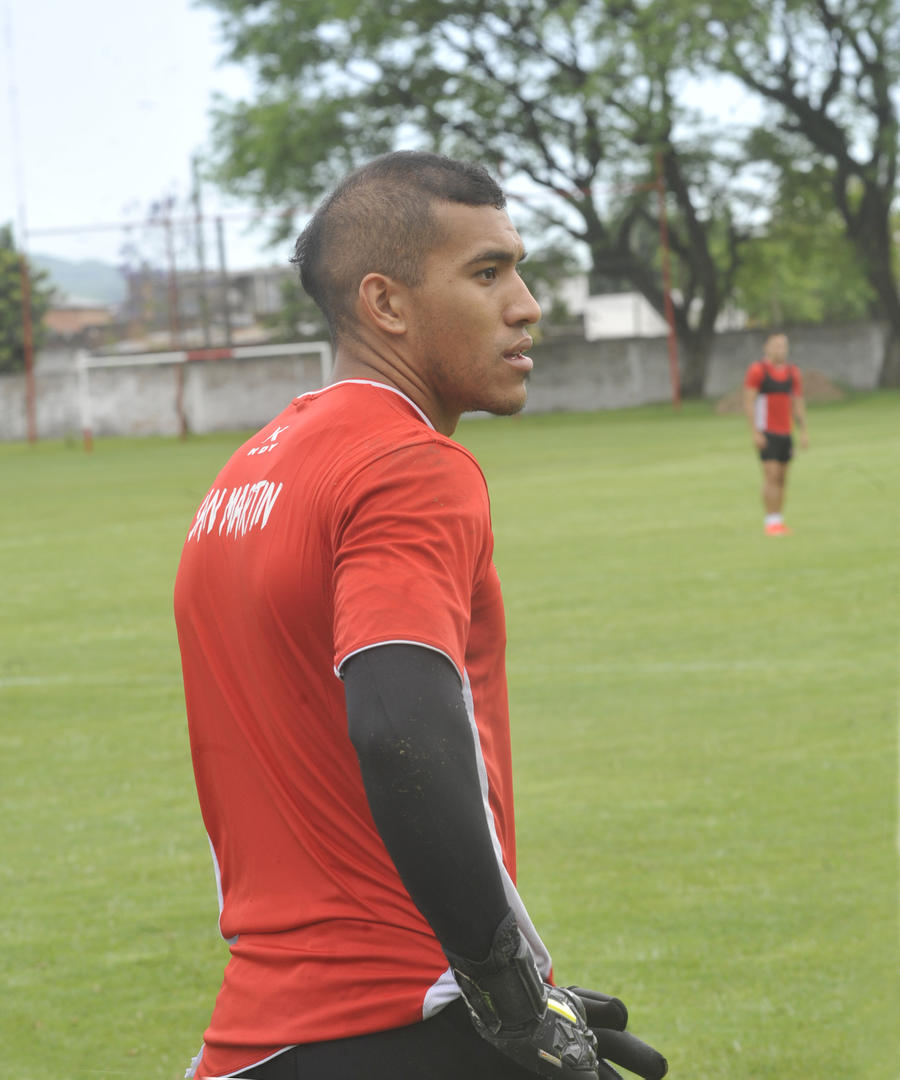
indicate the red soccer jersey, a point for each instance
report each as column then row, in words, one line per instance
column 776, row 384
column 346, row 523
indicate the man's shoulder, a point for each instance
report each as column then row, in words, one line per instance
column 332, row 432
column 370, row 428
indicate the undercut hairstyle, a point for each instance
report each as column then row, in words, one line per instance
column 380, row 219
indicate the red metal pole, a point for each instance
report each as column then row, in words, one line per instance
column 175, row 328
column 28, row 348
column 179, row 401
column 174, row 321
column 667, row 282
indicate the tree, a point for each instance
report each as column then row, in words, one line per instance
column 800, row 267
column 548, row 270
column 830, row 71
column 573, row 104
column 12, row 342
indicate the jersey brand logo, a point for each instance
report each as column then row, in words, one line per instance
column 269, row 442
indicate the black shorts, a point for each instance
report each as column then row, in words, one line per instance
column 777, row 448
column 445, row 1047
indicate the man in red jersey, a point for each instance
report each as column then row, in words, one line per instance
column 773, row 399
column 342, row 637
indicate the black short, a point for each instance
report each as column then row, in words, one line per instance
column 445, row 1047
column 777, row 448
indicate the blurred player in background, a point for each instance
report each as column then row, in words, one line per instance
column 343, row 648
column 773, row 400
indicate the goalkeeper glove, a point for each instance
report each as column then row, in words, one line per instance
column 606, row 1017
column 540, row 1027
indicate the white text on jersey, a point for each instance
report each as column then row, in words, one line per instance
column 248, row 507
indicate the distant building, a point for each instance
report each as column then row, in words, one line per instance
column 241, row 305
column 80, row 322
column 194, row 310
column 626, row 314
column 621, row 315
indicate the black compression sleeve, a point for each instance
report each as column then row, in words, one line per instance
column 409, row 726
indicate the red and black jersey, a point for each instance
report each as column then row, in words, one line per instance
column 346, row 523
column 776, row 385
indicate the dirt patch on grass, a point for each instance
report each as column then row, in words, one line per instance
column 817, row 387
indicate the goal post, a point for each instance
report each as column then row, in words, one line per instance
column 179, row 362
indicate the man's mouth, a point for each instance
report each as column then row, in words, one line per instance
column 516, row 357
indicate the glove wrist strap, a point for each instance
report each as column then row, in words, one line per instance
column 505, row 991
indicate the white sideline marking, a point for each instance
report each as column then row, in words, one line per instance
column 898, row 771
column 898, row 790
column 8, row 682
column 661, row 667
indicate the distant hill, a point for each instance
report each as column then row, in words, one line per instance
column 85, row 279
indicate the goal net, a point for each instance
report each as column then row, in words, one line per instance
column 196, row 390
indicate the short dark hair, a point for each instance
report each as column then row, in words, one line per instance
column 380, row 219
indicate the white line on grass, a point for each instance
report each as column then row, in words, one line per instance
column 898, row 794
column 18, row 681
column 663, row 667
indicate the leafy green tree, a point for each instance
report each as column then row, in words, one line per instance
column 829, row 71
column 801, row 267
column 573, row 104
column 12, row 343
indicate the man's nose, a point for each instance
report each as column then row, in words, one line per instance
column 524, row 309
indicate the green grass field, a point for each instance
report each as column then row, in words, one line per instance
column 705, row 727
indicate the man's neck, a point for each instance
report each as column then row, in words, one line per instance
column 355, row 360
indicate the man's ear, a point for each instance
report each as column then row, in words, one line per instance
column 383, row 303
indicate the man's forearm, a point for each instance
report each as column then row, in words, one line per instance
column 408, row 723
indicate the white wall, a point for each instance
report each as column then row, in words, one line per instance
column 570, row 374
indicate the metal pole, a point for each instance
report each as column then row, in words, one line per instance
column 28, row 348
column 179, row 401
column 223, row 279
column 667, row 285
column 173, row 285
column 84, row 400
column 201, row 253
column 19, row 182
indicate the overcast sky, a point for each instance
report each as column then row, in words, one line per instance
column 103, row 104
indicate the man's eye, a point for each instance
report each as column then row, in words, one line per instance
column 489, row 273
